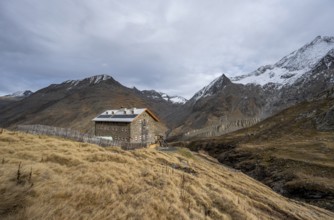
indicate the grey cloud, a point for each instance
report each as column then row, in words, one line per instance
column 173, row 46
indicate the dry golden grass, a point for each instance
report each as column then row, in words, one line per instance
column 60, row 179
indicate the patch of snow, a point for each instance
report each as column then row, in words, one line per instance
column 72, row 82
column 309, row 55
column 92, row 80
column 98, row 78
column 177, row 100
column 20, row 94
column 164, row 96
column 155, row 97
column 17, row 94
column 160, row 95
column 280, row 76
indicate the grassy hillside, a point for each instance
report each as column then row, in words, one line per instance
column 48, row 178
column 292, row 152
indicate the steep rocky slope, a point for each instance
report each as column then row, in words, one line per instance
column 48, row 178
column 292, row 152
column 222, row 100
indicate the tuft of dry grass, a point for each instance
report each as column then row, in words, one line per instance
column 61, row 179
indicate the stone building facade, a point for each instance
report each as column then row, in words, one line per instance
column 129, row 125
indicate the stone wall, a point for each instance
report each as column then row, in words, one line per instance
column 119, row 131
column 145, row 129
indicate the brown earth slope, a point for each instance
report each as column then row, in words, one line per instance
column 74, row 104
column 292, row 152
column 48, row 178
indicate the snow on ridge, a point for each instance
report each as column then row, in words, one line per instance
column 205, row 91
column 98, row 78
column 307, row 56
column 177, row 99
column 291, row 67
column 17, row 94
column 164, row 96
column 72, row 82
column 20, row 94
column 160, row 95
column 92, row 80
column 201, row 93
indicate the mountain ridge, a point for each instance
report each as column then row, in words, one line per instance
column 299, row 76
column 89, row 96
column 20, row 94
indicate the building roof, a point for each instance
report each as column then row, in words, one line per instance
column 123, row 115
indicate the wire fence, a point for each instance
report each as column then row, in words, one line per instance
column 71, row 134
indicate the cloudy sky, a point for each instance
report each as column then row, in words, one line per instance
column 172, row 46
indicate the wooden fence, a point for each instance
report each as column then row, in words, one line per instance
column 77, row 136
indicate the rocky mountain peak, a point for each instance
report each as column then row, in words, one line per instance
column 214, row 87
column 291, row 67
column 306, row 57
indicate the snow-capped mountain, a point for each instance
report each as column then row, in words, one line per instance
column 297, row 77
column 152, row 94
column 97, row 79
column 291, row 67
column 20, row 94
